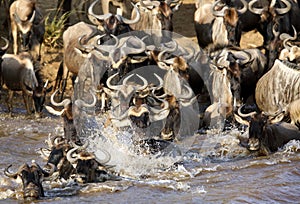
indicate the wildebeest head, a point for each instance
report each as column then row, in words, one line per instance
column 257, row 123
column 24, row 14
column 86, row 163
column 272, row 15
column 230, row 17
column 156, row 15
column 111, row 23
column 256, row 129
column 31, row 177
column 39, row 94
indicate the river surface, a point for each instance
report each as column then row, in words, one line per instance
column 215, row 170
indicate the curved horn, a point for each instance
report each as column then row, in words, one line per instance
column 218, row 13
column 126, row 79
column 243, row 56
column 136, row 19
column 253, row 9
column 84, row 146
column 282, row 11
column 165, row 107
column 64, row 103
column 106, row 158
column 107, row 48
column 32, row 17
column 58, row 140
column 139, row 46
column 86, row 47
column 244, row 8
column 14, row 175
column 53, row 111
column 81, row 103
column 243, row 115
column 4, row 48
column 190, row 54
column 160, row 80
column 166, row 49
column 278, row 112
column 99, row 17
column 188, row 95
column 286, row 37
column 145, row 82
column 70, row 157
column 109, row 85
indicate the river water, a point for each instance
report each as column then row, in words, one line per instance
column 215, row 170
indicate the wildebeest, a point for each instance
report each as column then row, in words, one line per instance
column 276, row 17
column 88, row 167
column 108, row 26
column 216, row 24
column 155, row 16
column 230, row 77
column 57, row 158
column 18, row 74
column 27, row 20
column 32, row 178
column 268, row 137
column 277, row 88
column 66, row 113
column 291, row 49
column 245, row 67
column 129, row 103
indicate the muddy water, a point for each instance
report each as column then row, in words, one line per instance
column 215, row 169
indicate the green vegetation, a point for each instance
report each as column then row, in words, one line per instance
column 54, row 28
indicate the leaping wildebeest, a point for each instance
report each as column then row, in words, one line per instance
column 27, row 21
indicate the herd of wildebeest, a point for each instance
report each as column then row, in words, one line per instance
column 257, row 87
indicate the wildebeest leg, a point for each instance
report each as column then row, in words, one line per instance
column 59, row 76
column 27, row 98
column 9, row 101
column 63, row 88
column 14, row 32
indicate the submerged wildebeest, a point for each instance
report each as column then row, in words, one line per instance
column 32, row 178
column 27, row 20
column 88, row 167
column 18, row 74
column 265, row 136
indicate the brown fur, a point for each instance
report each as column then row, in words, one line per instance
column 231, row 17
